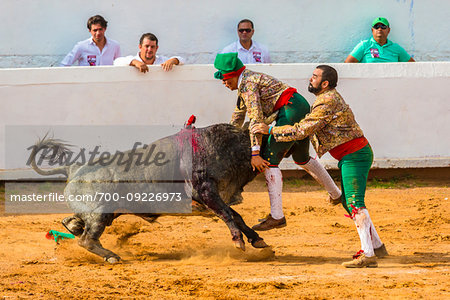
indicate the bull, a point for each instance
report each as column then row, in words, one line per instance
column 219, row 167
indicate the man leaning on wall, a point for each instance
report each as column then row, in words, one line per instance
column 249, row 51
column 96, row 50
column 379, row 49
column 148, row 46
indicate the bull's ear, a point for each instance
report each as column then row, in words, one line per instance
column 246, row 125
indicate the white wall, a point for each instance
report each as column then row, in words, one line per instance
column 401, row 107
column 40, row 33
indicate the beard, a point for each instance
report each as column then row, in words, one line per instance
column 314, row 90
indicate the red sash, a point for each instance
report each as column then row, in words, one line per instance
column 284, row 98
column 349, row 147
column 236, row 73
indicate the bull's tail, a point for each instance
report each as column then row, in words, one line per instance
column 54, row 150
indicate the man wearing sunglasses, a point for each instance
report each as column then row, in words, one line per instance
column 379, row 49
column 249, row 51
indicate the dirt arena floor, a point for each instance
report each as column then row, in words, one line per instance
column 193, row 257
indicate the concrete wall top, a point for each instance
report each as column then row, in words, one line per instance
column 36, row 76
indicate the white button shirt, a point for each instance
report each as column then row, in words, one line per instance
column 256, row 54
column 126, row 60
column 87, row 53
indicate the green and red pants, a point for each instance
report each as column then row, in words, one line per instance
column 354, row 171
column 295, row 110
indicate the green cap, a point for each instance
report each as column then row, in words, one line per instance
column 380, row 20
column 226, row 63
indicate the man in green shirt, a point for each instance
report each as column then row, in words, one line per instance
column 378, row 49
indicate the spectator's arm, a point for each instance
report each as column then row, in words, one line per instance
column 266, row 56
column 141, row 66
column 351, row 59
column 130, row 61
column 123, row 61
column 117, row 52
column 180, row 60
column 357, row 54
column 71, row 57
column 404, row 56
column 228, row 49
column 168, row 64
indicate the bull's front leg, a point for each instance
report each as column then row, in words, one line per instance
column 74, row 224
column 209, row 195
column 90, row 239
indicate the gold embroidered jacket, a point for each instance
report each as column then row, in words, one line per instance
column 259, row 93
column 330, row 124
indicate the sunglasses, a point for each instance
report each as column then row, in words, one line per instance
column 382, row 26
column 248, row 30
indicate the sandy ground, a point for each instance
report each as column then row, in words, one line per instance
column 193, row 257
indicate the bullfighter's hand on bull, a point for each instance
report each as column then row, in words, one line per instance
column 260, row 128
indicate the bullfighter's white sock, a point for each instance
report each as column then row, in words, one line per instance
column 274, row 180
column 376, row 241
column 362, row 223
column 318, row 172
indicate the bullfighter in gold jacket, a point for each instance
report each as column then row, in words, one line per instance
column 332, row 128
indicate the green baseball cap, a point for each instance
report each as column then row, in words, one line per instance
column 380, row 20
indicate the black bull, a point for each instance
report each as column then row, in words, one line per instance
column 219, row 156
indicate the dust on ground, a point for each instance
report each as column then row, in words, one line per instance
column 193, row 257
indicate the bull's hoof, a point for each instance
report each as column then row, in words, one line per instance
column 259, row 244
column 112, row 259
column 240, row 244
